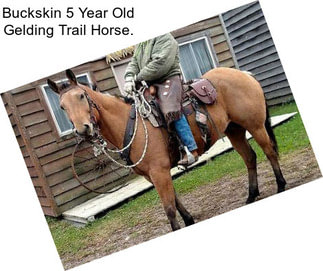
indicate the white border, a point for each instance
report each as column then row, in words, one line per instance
column 286, row 229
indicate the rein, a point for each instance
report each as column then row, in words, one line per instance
column 100, row 144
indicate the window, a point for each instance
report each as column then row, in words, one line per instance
column 63, row 125
column 195, row 58
column 195, row 55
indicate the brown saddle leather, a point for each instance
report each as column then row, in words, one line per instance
column 196, row 94
column 203, row 90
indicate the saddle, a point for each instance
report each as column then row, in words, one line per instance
column 196, row 95
column 202, row 89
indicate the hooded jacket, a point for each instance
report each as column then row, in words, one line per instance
column 155, row 60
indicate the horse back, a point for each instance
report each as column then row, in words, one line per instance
column 240, row 98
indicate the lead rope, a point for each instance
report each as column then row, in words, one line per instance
column 143, row 108
column 143, row 153
column 130, row 142
column 100, row 145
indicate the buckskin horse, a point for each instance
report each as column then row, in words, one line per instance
column 240, row 106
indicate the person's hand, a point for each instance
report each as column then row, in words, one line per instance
column 129, row 85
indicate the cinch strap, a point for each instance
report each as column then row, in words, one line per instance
column 125, row 155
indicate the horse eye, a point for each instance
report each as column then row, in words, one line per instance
column 62, row 107
column 82, row 96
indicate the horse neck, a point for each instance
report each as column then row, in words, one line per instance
column 111, row 118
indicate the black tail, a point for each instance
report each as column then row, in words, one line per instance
column 270, row 131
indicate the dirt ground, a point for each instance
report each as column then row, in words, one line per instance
column 207, row 201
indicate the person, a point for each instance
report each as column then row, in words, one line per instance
column 156, row 61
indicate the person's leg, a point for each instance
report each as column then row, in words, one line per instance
column 185, row 134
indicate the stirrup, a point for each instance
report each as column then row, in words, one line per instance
column 191, row 159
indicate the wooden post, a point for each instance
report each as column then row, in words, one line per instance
column 229, row 42
column 31, row 152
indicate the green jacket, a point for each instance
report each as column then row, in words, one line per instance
column 155, row 60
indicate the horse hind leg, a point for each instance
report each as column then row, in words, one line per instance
column 265, row 137
column 162, row 181
column 237, row 136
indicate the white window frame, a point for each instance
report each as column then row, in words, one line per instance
column 117, row 63
column 67, row 132
column 205, row 38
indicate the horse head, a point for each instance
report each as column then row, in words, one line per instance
column 74, row 100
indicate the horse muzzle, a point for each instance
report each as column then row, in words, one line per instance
column 86, row 130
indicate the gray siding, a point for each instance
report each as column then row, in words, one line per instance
column 255, row 51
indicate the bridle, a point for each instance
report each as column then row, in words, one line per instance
column 99, row 143
column 95, row 140
column 92, row 105
column 93, row 120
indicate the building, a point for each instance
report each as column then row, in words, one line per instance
column 239, row 39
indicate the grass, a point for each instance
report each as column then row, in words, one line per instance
column 291, row 136
column 73, row 242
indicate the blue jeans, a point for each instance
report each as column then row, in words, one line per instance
column 185, row 134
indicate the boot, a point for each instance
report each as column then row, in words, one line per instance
column 189, row 158
column 185, row 134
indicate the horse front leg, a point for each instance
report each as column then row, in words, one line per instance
column 187, row 217
column 162, row 181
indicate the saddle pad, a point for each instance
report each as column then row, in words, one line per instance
column 203, row 90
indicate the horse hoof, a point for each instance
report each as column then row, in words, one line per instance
column 250, row 200
column 281, row 184
column 189, row 222
column 281, row 189
column 252, row 196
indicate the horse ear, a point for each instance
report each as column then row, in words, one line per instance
column 53, row 86
column 71, row 77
